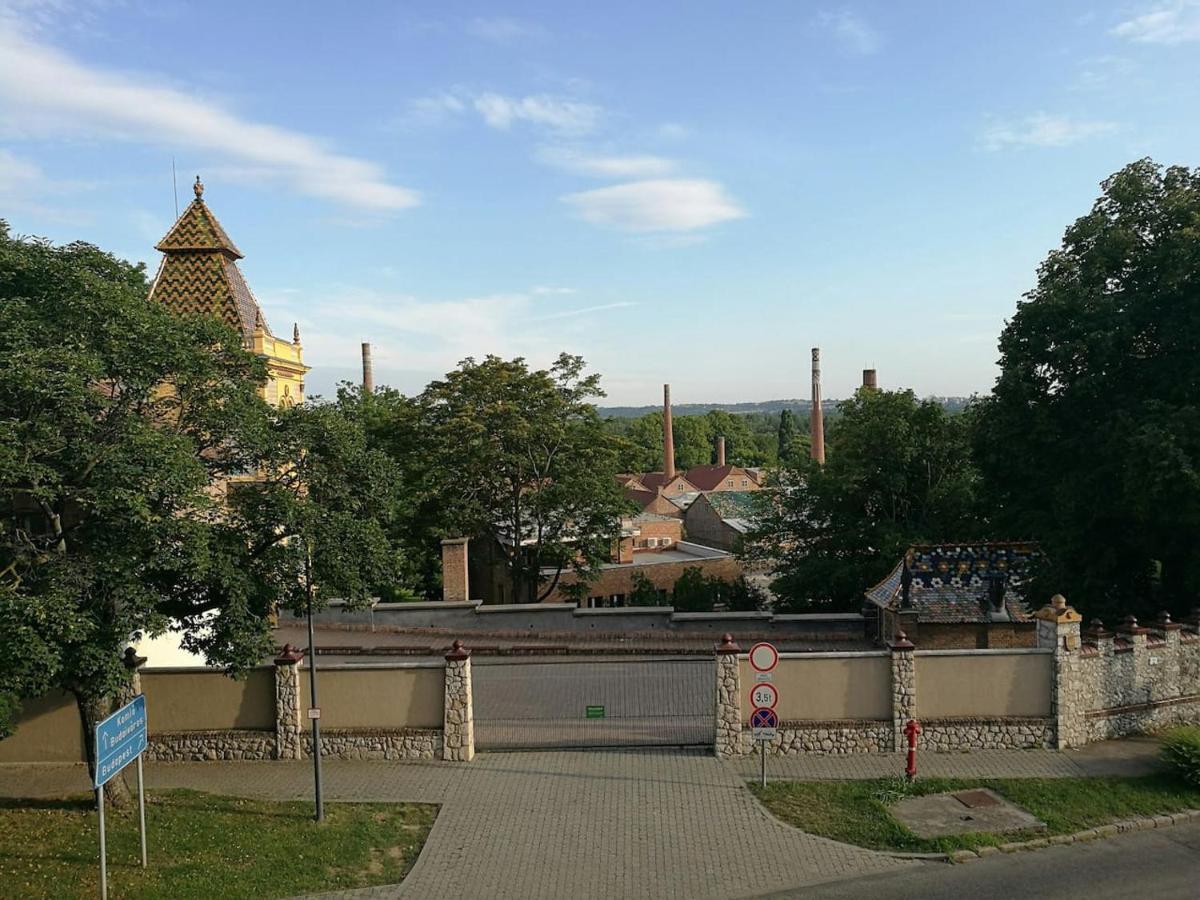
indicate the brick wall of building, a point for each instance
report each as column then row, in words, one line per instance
column 663, row 575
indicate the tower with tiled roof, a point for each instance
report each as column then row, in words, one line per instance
column 199, row 274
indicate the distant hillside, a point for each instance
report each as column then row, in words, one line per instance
column 953, row 404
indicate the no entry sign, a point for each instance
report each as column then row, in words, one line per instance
column 763, row 657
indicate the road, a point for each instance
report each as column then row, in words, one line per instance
column 1163, row 864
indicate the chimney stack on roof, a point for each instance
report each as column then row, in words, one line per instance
column 870, row 379
column 720, row 449
column 668, row 436
column 368, row 378
column 816, row 417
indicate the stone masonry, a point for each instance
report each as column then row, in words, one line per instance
column 1058, row 629
column 728, row 743
column 458, row 728
column 904, row 688
column 288, row 722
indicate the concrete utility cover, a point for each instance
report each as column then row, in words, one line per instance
column 966, row 811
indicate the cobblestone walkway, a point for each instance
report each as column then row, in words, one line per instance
column 548, row 824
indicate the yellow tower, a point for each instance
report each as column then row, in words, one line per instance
column 199, row 274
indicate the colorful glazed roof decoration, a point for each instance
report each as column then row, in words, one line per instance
column 960, row 583
column 199, row 272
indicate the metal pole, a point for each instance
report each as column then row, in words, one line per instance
column 762, row 756
column 142, row 808
column 103, row 851
column 312, row 691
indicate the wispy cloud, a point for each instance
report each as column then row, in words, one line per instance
column 657, row 205
column 561, row 115
column 585, row 310
column 605, row 166
column 503, row 30
column 25, row 186
column 543, row 290
column 1042, row 130
column 44, row 91
column 853, row 32
column 1177, row 22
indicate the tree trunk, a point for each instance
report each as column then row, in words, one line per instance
column 93, row 710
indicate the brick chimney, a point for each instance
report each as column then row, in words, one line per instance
column 455, row 582
column 720, row 449
column 668, row 436
column 368, row 381
column 816, row 417
column 870, row 382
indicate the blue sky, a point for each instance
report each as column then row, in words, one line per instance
column 690, row 192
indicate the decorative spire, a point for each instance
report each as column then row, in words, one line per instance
column 296, row 333
column 198, row 187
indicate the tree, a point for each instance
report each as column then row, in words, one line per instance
column 787, row 433
column 693, row 591
column 643, row 592
column 899, row 471
column 115, row 417
column 1090, row 442
column 521, row 458
column 740, row 595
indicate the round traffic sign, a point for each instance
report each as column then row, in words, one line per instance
column 763, row 657
column 764, row 696
column 764, row 718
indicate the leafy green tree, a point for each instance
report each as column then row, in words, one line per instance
column 115, row 417
column 740, row 595
column 787, row 434
column 1090, row 442
column 521, row 457
column 693, row 591
column 643, row 592
column 898, row 471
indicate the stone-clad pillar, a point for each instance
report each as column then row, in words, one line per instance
column 904, row 688
column 288, row 722
column 729, row 700
column 458, row 718
column 1058, row 629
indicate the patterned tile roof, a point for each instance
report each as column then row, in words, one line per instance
column 199, row 272
column 952, row 583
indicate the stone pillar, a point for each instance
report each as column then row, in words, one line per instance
column 288, row 722
column 455, row 580
column 904, row 688
column 133, row 686
column 729, row 700
column 458, row 718
column 1165, row 676
column 1058, row 628
column 1140, row 680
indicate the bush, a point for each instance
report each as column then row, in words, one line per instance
column 1181, row 751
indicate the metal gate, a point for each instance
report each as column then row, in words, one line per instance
column 606, row 702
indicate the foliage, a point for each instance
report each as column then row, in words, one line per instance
column 856, row 812
column 1090, row 442
column 145, row 485
column 1181, row 751
column 786, row 435
column 643, row 593
column 750, row 440
column 693, row 592
column 521, row 458
column 740, row 595
column 898, row 472
column 204, row 846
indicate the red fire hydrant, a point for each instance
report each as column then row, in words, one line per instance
column 911, row 730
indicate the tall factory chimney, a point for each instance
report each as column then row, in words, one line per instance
column 668, row 436
column 720, row 449
column 870, row 379
column 816, row 417
column 368, row 382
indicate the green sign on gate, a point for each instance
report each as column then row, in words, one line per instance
column 595, row 712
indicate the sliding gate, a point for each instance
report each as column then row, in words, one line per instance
column 601, row 702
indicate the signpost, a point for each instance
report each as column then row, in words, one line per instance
column 764, row 697
column 120, row 740
column 594, row 712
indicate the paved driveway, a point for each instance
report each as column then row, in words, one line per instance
column 553, row 824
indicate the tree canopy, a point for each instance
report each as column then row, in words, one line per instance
column 1090, row 441
column 898, row 471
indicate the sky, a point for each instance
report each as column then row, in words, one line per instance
column 692, row 192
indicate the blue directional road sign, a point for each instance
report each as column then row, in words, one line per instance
column 120, row 739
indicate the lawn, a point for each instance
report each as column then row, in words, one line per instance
column 207, row 846
column 856, row 812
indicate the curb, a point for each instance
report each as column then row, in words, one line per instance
column 1140, row 823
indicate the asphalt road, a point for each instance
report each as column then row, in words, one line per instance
column 1160, row 864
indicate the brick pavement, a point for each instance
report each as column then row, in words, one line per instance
column 582, row 824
